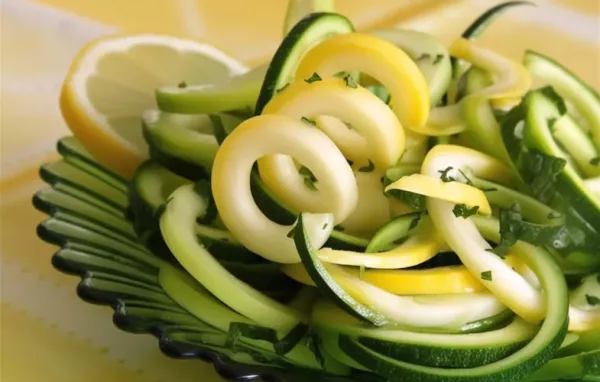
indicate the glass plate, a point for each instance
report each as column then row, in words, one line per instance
column 100, row 246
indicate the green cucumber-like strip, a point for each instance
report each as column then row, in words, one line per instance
column 311, row 30
column 430, row 55
column 299, row 9
column 505, row 197
column 186, row 137
column 237, row 93
column 585, row 99
column 330, row 317
column 575, row 367
column 396, row 229
column 478, row 26
column 512, row 368
column 577, row 143
column 66, row 173
column 541, row 111
column 177, row 225
column 73, row 152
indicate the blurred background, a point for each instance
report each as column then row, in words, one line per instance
column 47, row 334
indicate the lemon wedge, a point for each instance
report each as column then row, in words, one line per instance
column 112, row 81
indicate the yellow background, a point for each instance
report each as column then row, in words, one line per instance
column 47, row 334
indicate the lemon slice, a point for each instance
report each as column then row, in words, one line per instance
column 112, row 81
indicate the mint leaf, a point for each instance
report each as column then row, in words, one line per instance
column 540, row 172
column 314, row 78
column 487, row 275
column 513, row 228
column 461, row 210
column 415, row 222
column 595, row 161
column 438, row 58
column 339, row 227
column 369, row 168
column 182, row 85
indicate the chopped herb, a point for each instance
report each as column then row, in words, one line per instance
column 350, row 162
column 283, row 87
column 368, row 168
column 292, row 232
column 488, row 189
column 424, row 56
column 438, row 58
column 305, row 171
column 339, row 227
column 540, row 172
column 551, row 122
column 389, row 100
column 308, row 120
column 595, row 161
column 314, row 78
column 487, row 275
column 325, row 226
column 348, row 125
column 382, row 179
column 592, row 300
column 552, row 215
column 182, row 85
column 461, row 210
column 415, row 222
column 361, row 272
column 444, row 174
column 350, row 82
column 513, row 228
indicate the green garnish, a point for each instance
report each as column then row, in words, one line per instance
column 411, row 199
column 325, row 226
column 461, row 210
column 424, row 56
column 308, row 120
column 513, row 228
column 309, row 178
column 339, row 227
column 438, row 58
column 592, row 300
column 350, row 81
column 487, row 275
column 314, row 78
column 444, row 174
column 182, row 85
column 369, row 168
column 595, row 161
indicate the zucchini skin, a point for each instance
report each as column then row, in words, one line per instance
column 309, row 31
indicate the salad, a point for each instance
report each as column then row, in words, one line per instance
column 374, row 206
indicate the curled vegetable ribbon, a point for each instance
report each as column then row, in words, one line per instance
column 375, row 140
column 510, row 80
column 269, row 135
column 463, row 237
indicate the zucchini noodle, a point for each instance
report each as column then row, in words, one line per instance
column 510, row 80
column 463, row 237
column 277, row 134
column 367, row 114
